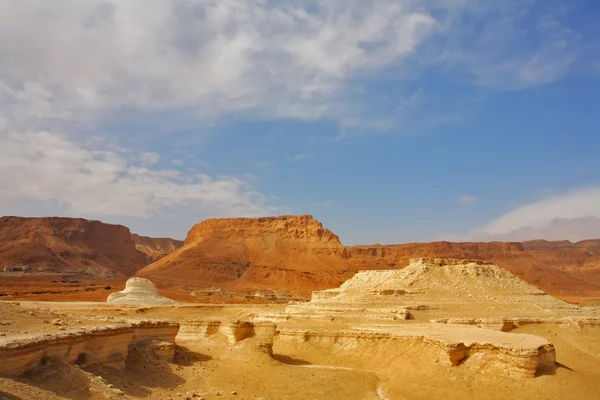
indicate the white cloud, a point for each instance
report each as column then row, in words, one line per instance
column 43, row 167
column 262, row 58
column 574, row 214
column 284, row 59
column 466, row 199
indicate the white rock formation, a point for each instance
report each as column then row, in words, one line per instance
column 140, row 291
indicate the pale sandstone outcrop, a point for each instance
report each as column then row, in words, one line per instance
column 139, row 291
column 436, row 287
column 515, row 354
column 108, row 345
column 507, row 324
column 262, row 332
column 444, row 283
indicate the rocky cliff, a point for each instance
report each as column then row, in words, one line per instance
column 285, row 252
column 74, row 246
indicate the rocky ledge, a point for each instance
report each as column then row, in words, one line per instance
column 518, row 355
column 107, row 345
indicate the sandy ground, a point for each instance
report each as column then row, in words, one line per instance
column 215, row 370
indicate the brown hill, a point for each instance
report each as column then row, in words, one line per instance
column 73, row 246
column 156, row 248
column 297, row 253
column 286, row 252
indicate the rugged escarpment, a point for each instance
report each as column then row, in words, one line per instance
column 285, row 252
column 156, row 248
column 75, row 246
column 108, row 345
column 68, row 245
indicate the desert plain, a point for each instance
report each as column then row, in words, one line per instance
column 278, row 308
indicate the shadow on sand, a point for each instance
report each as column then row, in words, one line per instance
column 290, row 360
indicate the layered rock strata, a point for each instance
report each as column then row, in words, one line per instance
column 261, row 332
column 108, row 345
column 285, row 252
column 451, row 285
column 518, row 355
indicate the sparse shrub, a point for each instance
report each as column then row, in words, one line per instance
column 107, row 287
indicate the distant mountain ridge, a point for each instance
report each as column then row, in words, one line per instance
column 76, row 246
column 285, row 253
column 297, row 253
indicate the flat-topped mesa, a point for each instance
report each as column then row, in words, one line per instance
column 302, row 227
column 285, row 252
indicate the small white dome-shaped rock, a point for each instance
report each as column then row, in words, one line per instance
column 139, row 291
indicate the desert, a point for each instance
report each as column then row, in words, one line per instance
column 278, row 308
column 305, row 199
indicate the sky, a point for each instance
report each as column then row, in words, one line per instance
column 390, row 121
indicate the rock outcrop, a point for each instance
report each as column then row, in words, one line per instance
column 107, row 345
column 451, row 285
column 139, row 291
column 491, row 296
column 261, row 332
column 286, row 252
column 369, row 347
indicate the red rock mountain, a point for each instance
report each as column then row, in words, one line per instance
column 297, row 253
column 75, row 246
column 286, row 252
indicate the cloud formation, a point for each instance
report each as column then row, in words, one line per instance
column 77, row 178
column 574, row 215
column 265, row 58
column 285, row 59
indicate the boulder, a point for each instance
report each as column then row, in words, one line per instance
column 139, row 291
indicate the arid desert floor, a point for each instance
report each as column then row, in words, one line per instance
column 362, row 341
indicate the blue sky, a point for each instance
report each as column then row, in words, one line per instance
column 389, row 121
